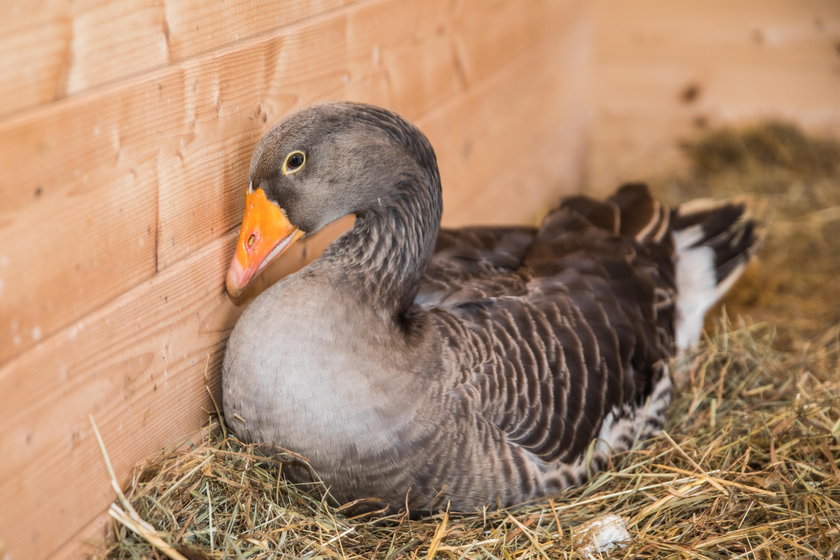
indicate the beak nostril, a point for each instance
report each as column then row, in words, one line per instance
column 251, row 239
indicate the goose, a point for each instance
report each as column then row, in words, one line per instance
column 457, row 368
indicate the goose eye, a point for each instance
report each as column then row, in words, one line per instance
column 294, row 162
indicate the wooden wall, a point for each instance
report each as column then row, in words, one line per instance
column 667, row 69
column 125, row 132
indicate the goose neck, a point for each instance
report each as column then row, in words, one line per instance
column 383, row 257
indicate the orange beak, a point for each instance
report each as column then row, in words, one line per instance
column 265, row 234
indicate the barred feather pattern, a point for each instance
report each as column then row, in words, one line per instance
column 549, row 348
column 478, row 366
column 561, row 336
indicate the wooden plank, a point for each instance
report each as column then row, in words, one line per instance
column 399, row 54
column 142, row 366
column 241, row 92
column 52, row 49
column 138, row 363
column 110, row 40
column 188, row 131
column 757, row 85
column 78, row 208
column 34, row 50
column 89, row 542
column 138, row 367
column 57, row 48
column 718, row 29
column 505, row 157
column 196, row 27
column 547, row 120
column 638, row 133
column 93, row 166
column 471, row 132
column 666, row 70
column 490, row 31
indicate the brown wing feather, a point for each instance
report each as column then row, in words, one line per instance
column 475, row 263
column 584, row 333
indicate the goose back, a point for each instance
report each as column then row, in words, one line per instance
column 470, row 367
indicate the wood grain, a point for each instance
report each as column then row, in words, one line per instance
column 79, row 217
column 78, row 209
column 49, row 50
column 506, row 155
column 717, row 29
column 180, row 138
column 137, row 366
column 665, row 71
column 197, row 27
column 139, row 359
column 239, row 94
column 110, row 40
column 34, row 50
column 142, row 366
column 403, row 55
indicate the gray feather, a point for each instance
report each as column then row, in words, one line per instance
column 469, row 367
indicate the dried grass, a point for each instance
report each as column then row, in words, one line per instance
column 748, row 467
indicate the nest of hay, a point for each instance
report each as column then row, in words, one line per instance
column 748, row 466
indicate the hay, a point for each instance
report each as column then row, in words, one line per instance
column 797, row 180
column 748, row 467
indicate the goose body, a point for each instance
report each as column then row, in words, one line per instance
column 457, row 368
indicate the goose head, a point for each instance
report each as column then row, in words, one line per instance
column 323, row 163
